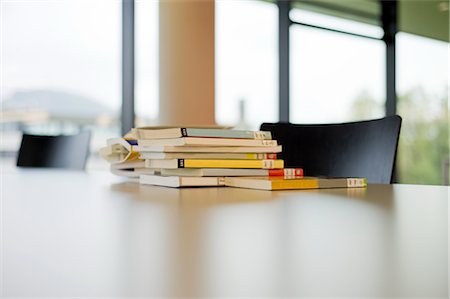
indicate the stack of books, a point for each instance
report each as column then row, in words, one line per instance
column 194, row 157
column 187, row 157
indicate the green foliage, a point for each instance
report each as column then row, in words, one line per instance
column 424, row 137
column 365, row 107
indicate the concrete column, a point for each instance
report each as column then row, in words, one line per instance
column 186, row 62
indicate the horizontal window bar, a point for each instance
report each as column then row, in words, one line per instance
column 335, row 30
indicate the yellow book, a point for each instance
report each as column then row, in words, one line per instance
column 204, row 156
column 276, row 183
column 197, row 163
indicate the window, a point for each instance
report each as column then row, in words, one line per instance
column 60, row 70
column 423, row 77
column 246, row 63
column 146, row 62
column 327, row 21
column 335, row 77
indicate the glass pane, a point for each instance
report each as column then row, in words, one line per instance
column 61, row 70
column 423, row 76
column 331, row 22
column 246, row 63
column 146, row 60
column 335, row 77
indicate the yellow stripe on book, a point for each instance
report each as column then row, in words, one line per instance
column 295, row 184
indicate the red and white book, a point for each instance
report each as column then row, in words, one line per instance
column 223, row 172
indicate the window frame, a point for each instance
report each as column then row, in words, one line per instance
column 389, row 21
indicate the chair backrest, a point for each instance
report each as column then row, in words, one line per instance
column 61, row 151
column 357, row 149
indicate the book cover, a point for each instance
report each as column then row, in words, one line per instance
column 199, row 141
column 160, row 133
column 192, row 163
column 176, row 181
column 224, row 172
column 275, row 183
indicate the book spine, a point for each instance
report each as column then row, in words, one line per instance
column 295, row 184
column 184, row 132
column 234, row 134
column 269, row 142
column 356, row 182
column 271, row 156
column 270, row 164
column 200, row 141
column 286, row 172
column 263, row 135
column 258, row 164
column 181, row 163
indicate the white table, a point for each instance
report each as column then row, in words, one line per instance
column 73, row 234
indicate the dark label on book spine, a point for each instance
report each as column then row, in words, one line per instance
column 180, row 163
column 184, row 132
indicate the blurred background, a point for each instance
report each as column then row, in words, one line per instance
column 64, row 68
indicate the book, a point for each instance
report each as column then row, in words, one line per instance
column 191, row 163
column 132, row 172
column 118, row 150
column 133, row 133
column 176, row 181
column 199, row 141
column 207, row 149
column 204, row 156
column 275, row 183
column 147, row 171
column 162, row 133
column 224, row 172
column 129, row 164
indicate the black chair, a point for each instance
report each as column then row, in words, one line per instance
column 68, row 152
column 356, row 149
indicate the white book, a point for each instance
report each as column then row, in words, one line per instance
column 176, row 181
column 132, row 173
column 118, row 150
column 220, row 156
column 207, row 149
column 147, row 171
column 129, row 164
column 160, row 133
column 199, row 141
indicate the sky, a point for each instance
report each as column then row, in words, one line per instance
column 74, row 46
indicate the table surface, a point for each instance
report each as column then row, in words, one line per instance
column 75, row 234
